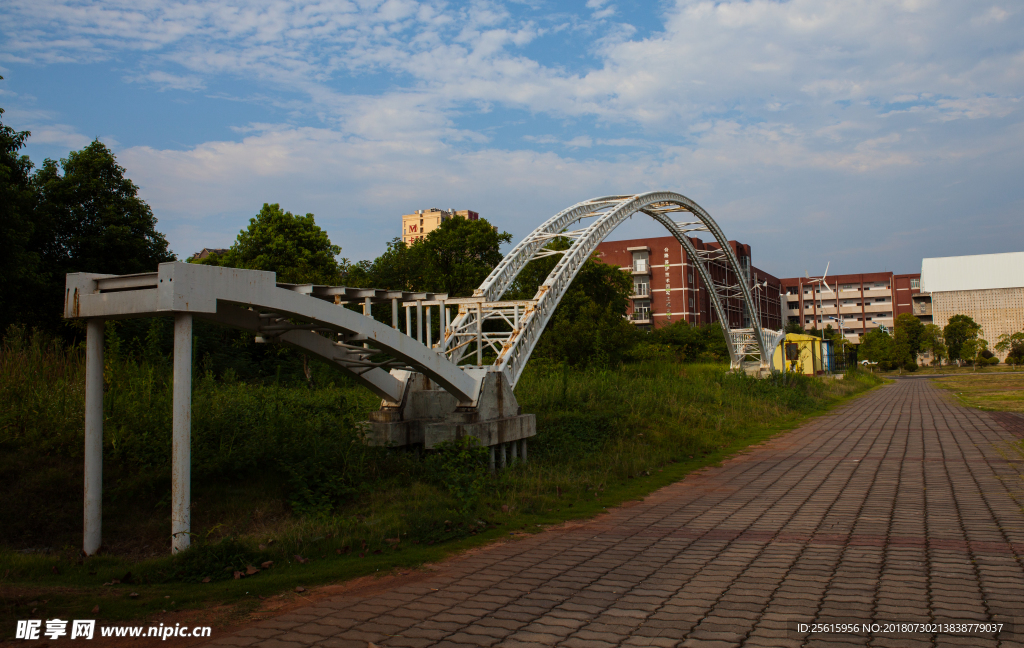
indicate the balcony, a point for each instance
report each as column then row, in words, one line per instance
column 641, row 291
column 640, row 316
column 641, row 267
column 877, row 292
column 881, row 307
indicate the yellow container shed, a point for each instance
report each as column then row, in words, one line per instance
column 799, row 353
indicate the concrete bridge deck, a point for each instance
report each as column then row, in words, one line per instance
column 899, row 507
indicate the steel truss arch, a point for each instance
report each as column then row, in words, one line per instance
column 514, row 348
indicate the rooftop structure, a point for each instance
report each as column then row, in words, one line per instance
column 988, row 288
column 424, row 221
column 975, row 272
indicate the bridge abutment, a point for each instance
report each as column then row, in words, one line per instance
column 429, row 416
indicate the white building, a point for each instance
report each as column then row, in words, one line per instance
column 989, row 288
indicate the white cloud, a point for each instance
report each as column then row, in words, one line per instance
column 407, row 100
column 167, row 81
column 59, row 134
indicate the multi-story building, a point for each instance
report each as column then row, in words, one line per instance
column 424, row 221
column 859, row 301
column 206, row 252
column 667, row 286
column 988, row 288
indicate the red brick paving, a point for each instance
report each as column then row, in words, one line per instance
column 899, row 507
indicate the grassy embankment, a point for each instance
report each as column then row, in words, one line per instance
column 988, row 392
column 279, row 472
column 953, row 369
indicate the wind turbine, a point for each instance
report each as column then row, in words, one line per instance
column 822, row 281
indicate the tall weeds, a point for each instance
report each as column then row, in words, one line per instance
column 596, row 427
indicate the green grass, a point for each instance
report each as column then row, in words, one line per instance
column 279, row 473
column 991, row 392
column 953, row 369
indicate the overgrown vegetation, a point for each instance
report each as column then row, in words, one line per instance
column 280, row 473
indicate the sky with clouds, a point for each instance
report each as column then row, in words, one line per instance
column 863, row 133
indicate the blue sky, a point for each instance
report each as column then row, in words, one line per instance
column 862, row 133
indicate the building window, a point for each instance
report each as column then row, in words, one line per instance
column 641, row 286
column 642, row 310
column 640, row 261
column 915, row 283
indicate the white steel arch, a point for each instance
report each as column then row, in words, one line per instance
column 301, row 316
column 527, row 319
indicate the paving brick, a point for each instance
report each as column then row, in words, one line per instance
column 898, row 506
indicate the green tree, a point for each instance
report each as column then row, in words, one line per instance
column 877, row 346
column 907, row 341
column 589, row 327
column 293, row 246
column 19, row 263
column 794, row 327
column 931, row 341
column 973, row 349
column 89, row 218
column 1016, row 353
column 957, row 331
column 457, row 256
column 1012, row 345
column 700, row 343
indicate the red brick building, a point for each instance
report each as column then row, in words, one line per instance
column 865, row 301
column 667, row 286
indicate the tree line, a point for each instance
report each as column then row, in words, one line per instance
column 960, row 341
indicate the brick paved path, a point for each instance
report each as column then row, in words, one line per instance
column 901, row 506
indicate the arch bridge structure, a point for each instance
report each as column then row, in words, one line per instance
column 460, row 384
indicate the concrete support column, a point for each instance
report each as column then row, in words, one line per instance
column 92, row 536
column 394, row 313
column 480, row 337
column 524, row 450
column 368, row 311
column 443, row 325
column 490, row 462
column 503, row 458
column 429, row 332
column 408, row 321
column 181, row 436
column 515, row 448
column 419, row 321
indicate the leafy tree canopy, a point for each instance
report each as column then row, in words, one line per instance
column 80, row 214
column 458, row 255
column 91, row 219
column 907, row 340
column 292, row 246
column 957, row 331
column 932, row 341
column 876, row 346
column 19, row 263
column 455, row 258
column 794, row 327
